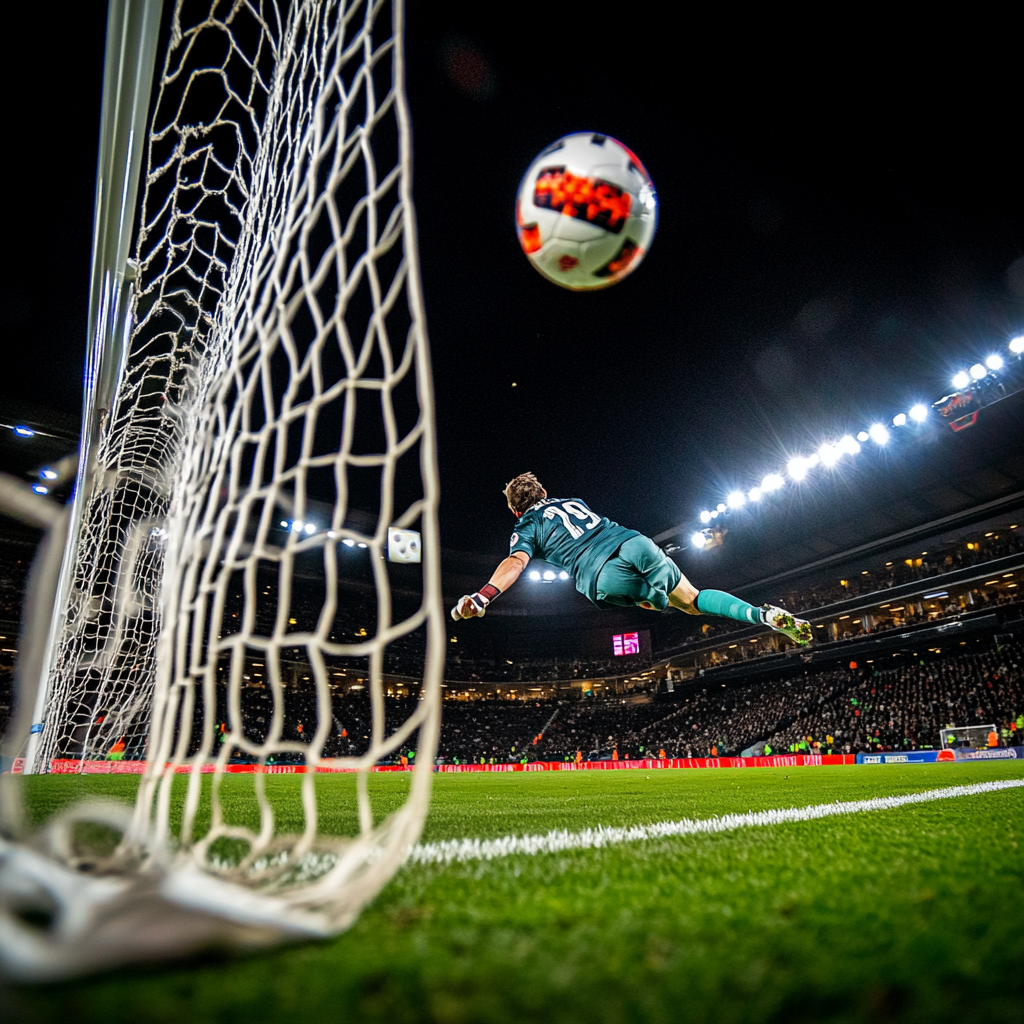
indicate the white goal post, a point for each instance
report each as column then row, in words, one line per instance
column 272, row 424
column 972, row 735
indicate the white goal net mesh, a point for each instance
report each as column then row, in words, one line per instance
column 232, row 604
column 966, row 735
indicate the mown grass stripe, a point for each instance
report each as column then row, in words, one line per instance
column 462, row 850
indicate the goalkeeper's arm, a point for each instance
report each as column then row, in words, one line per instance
column 473, row 606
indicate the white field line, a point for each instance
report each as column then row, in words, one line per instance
column 461, row 850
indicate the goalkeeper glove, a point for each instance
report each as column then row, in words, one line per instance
column 473, row 606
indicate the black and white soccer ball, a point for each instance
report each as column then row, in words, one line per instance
column 586, row 212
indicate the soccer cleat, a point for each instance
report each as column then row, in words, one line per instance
column 798, row 630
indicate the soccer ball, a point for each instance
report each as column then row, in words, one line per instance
column 586, row 212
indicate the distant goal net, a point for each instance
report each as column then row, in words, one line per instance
column 965, row 736
column 231, row 601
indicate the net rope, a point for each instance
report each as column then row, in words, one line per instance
column 274, row 420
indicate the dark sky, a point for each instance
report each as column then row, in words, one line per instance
column 836, row 237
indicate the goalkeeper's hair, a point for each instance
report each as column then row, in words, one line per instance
column 523, row 491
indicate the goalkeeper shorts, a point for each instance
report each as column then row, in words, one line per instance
column 639, row 571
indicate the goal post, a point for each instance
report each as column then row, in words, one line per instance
column 965, row 735
column 272, row 438
column 129, row 61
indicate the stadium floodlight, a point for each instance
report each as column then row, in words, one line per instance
column 714, row 515
column 349, row 542
column 705, row 516
column 1017, row 345
column 754, row 494
column 863, row 435
column 797, row 467
column 40, row 488
column 698, row 540
column 534, row 574
column 848, row 445
column 878, row 433
column 978, row 371
column 918, row 413
column 284, row 524
column 310, row 528
column 772, row 482
column 24, row 431
column 813, row 460
column 549, row 574
column 721, row 506
column 961, row 380
column 900, row 419
column 360, row 545
column 829, row 454
column 736, row 499
column 563, row 575
column 48, row 474
column 994, row 362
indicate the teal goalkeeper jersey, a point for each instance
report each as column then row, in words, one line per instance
column 564, row 532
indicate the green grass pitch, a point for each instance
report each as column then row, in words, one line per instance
column 908, row 914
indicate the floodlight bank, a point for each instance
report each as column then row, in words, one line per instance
column 464, row 850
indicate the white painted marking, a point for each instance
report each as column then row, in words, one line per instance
column 461, row 850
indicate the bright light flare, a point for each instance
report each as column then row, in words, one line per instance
column 878, row 433
column 310, row 529
column 1017, row 345
column 918, row 413
column 829, row 454
column 721, row 506
column 563, row 575
column 534, row 574
column 736, row 499
column 40, row 488
column 705, row 516
column 772, row 482
column 24, row 432
column 549, row 575
column 754, row 494
column 698, row 540
column 848, row 445
column 978, row 371
column 900, row 419
column 349, row 542
column 863, row 435
column 994, row 362
column 48, row 474
column 961, row 380
column 797, row 468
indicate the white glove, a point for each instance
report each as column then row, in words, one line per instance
column 471, row 606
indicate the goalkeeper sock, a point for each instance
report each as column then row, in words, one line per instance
column 717, row 602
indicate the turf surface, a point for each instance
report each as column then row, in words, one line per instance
column 905, row 914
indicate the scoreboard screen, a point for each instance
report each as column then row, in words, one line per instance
column 626, row 643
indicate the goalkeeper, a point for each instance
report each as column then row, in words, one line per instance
column 611, row 565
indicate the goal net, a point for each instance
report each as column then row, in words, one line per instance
column 231, row 604
column 965, row 735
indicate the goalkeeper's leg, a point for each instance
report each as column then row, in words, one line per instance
column 687, row 598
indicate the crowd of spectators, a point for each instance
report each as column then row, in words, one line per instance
column 832, row 711
column 896, row 574
column 905, row 707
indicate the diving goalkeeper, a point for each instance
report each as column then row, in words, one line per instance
column 612, row 566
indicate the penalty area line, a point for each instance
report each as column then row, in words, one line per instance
column 460, row 851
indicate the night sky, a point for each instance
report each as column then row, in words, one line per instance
column 838, row 233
